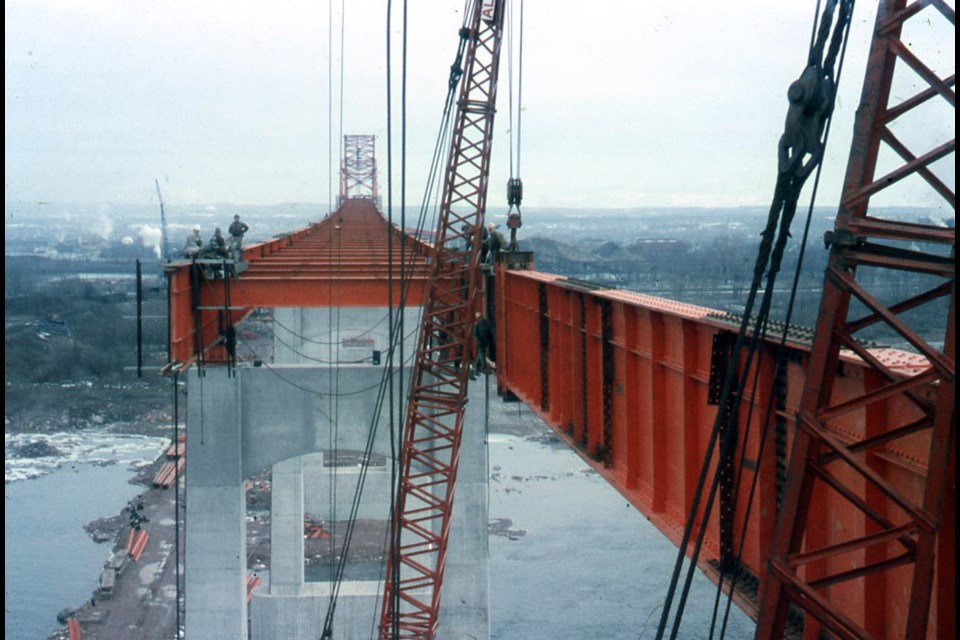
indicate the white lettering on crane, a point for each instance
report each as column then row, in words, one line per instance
column 488, row 10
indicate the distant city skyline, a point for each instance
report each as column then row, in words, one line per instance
column 623, row 105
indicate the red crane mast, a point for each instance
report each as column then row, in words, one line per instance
column 438, row 391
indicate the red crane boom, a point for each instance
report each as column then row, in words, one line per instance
column 909, row 530
column 438, row 392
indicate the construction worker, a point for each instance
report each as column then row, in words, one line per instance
column 495, row 243
column 218, row 245
column 191, row 249
column 483, row 340
column 237, row 229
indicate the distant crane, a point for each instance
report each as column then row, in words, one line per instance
column 164, row 237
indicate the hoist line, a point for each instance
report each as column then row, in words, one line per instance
column 403, row 246
column 330, row 208
column 394, row 458
column 520, row 94
column 519, row 112
column 443, row 133
column 336, row 424
column 393, row 341
column 445, row 128
column 395, row 329
column 351, row 523
column 779, row 360
column 176, row 495
column 378, row 407
column 510, row 83
column 792, row 175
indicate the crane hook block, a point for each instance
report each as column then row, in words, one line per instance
column 514, row 192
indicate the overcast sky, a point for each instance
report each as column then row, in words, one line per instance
column 626, row 104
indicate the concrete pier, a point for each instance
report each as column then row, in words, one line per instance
column 215, row 541
column 282, row 415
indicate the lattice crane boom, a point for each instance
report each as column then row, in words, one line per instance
column 908, row 532
column 438, row 392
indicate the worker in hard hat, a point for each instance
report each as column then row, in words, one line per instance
column 191, row 249
column 495, row 243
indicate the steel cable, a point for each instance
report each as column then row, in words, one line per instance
column 793, row 171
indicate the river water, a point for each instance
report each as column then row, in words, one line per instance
column 50, row 562
column 569, row 557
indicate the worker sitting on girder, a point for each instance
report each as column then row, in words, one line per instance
column 483, row 337
column 194, row 243
column 218, row 246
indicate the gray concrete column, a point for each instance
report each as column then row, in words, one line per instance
column 465, row 598
column 288, row 335
column 216, row 549
column 286, row 528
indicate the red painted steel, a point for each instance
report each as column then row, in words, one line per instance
column 339, row 261
column 169, row 472
column 73, row 628
column 891, row 558
column 176, row 450
column 139, row 544
column 252, row 583
column 651, row 442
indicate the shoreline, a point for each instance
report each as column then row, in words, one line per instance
column 143, row 594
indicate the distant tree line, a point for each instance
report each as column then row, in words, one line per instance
column 62, row 328
column 718, row 272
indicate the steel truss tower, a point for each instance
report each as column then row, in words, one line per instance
column 358, row 169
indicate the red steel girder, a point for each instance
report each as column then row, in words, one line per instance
column 908, row 537
column 343, row 260
column 625, row 380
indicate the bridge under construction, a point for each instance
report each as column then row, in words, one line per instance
column 808, row 473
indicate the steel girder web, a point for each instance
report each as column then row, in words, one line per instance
column 887, row 453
